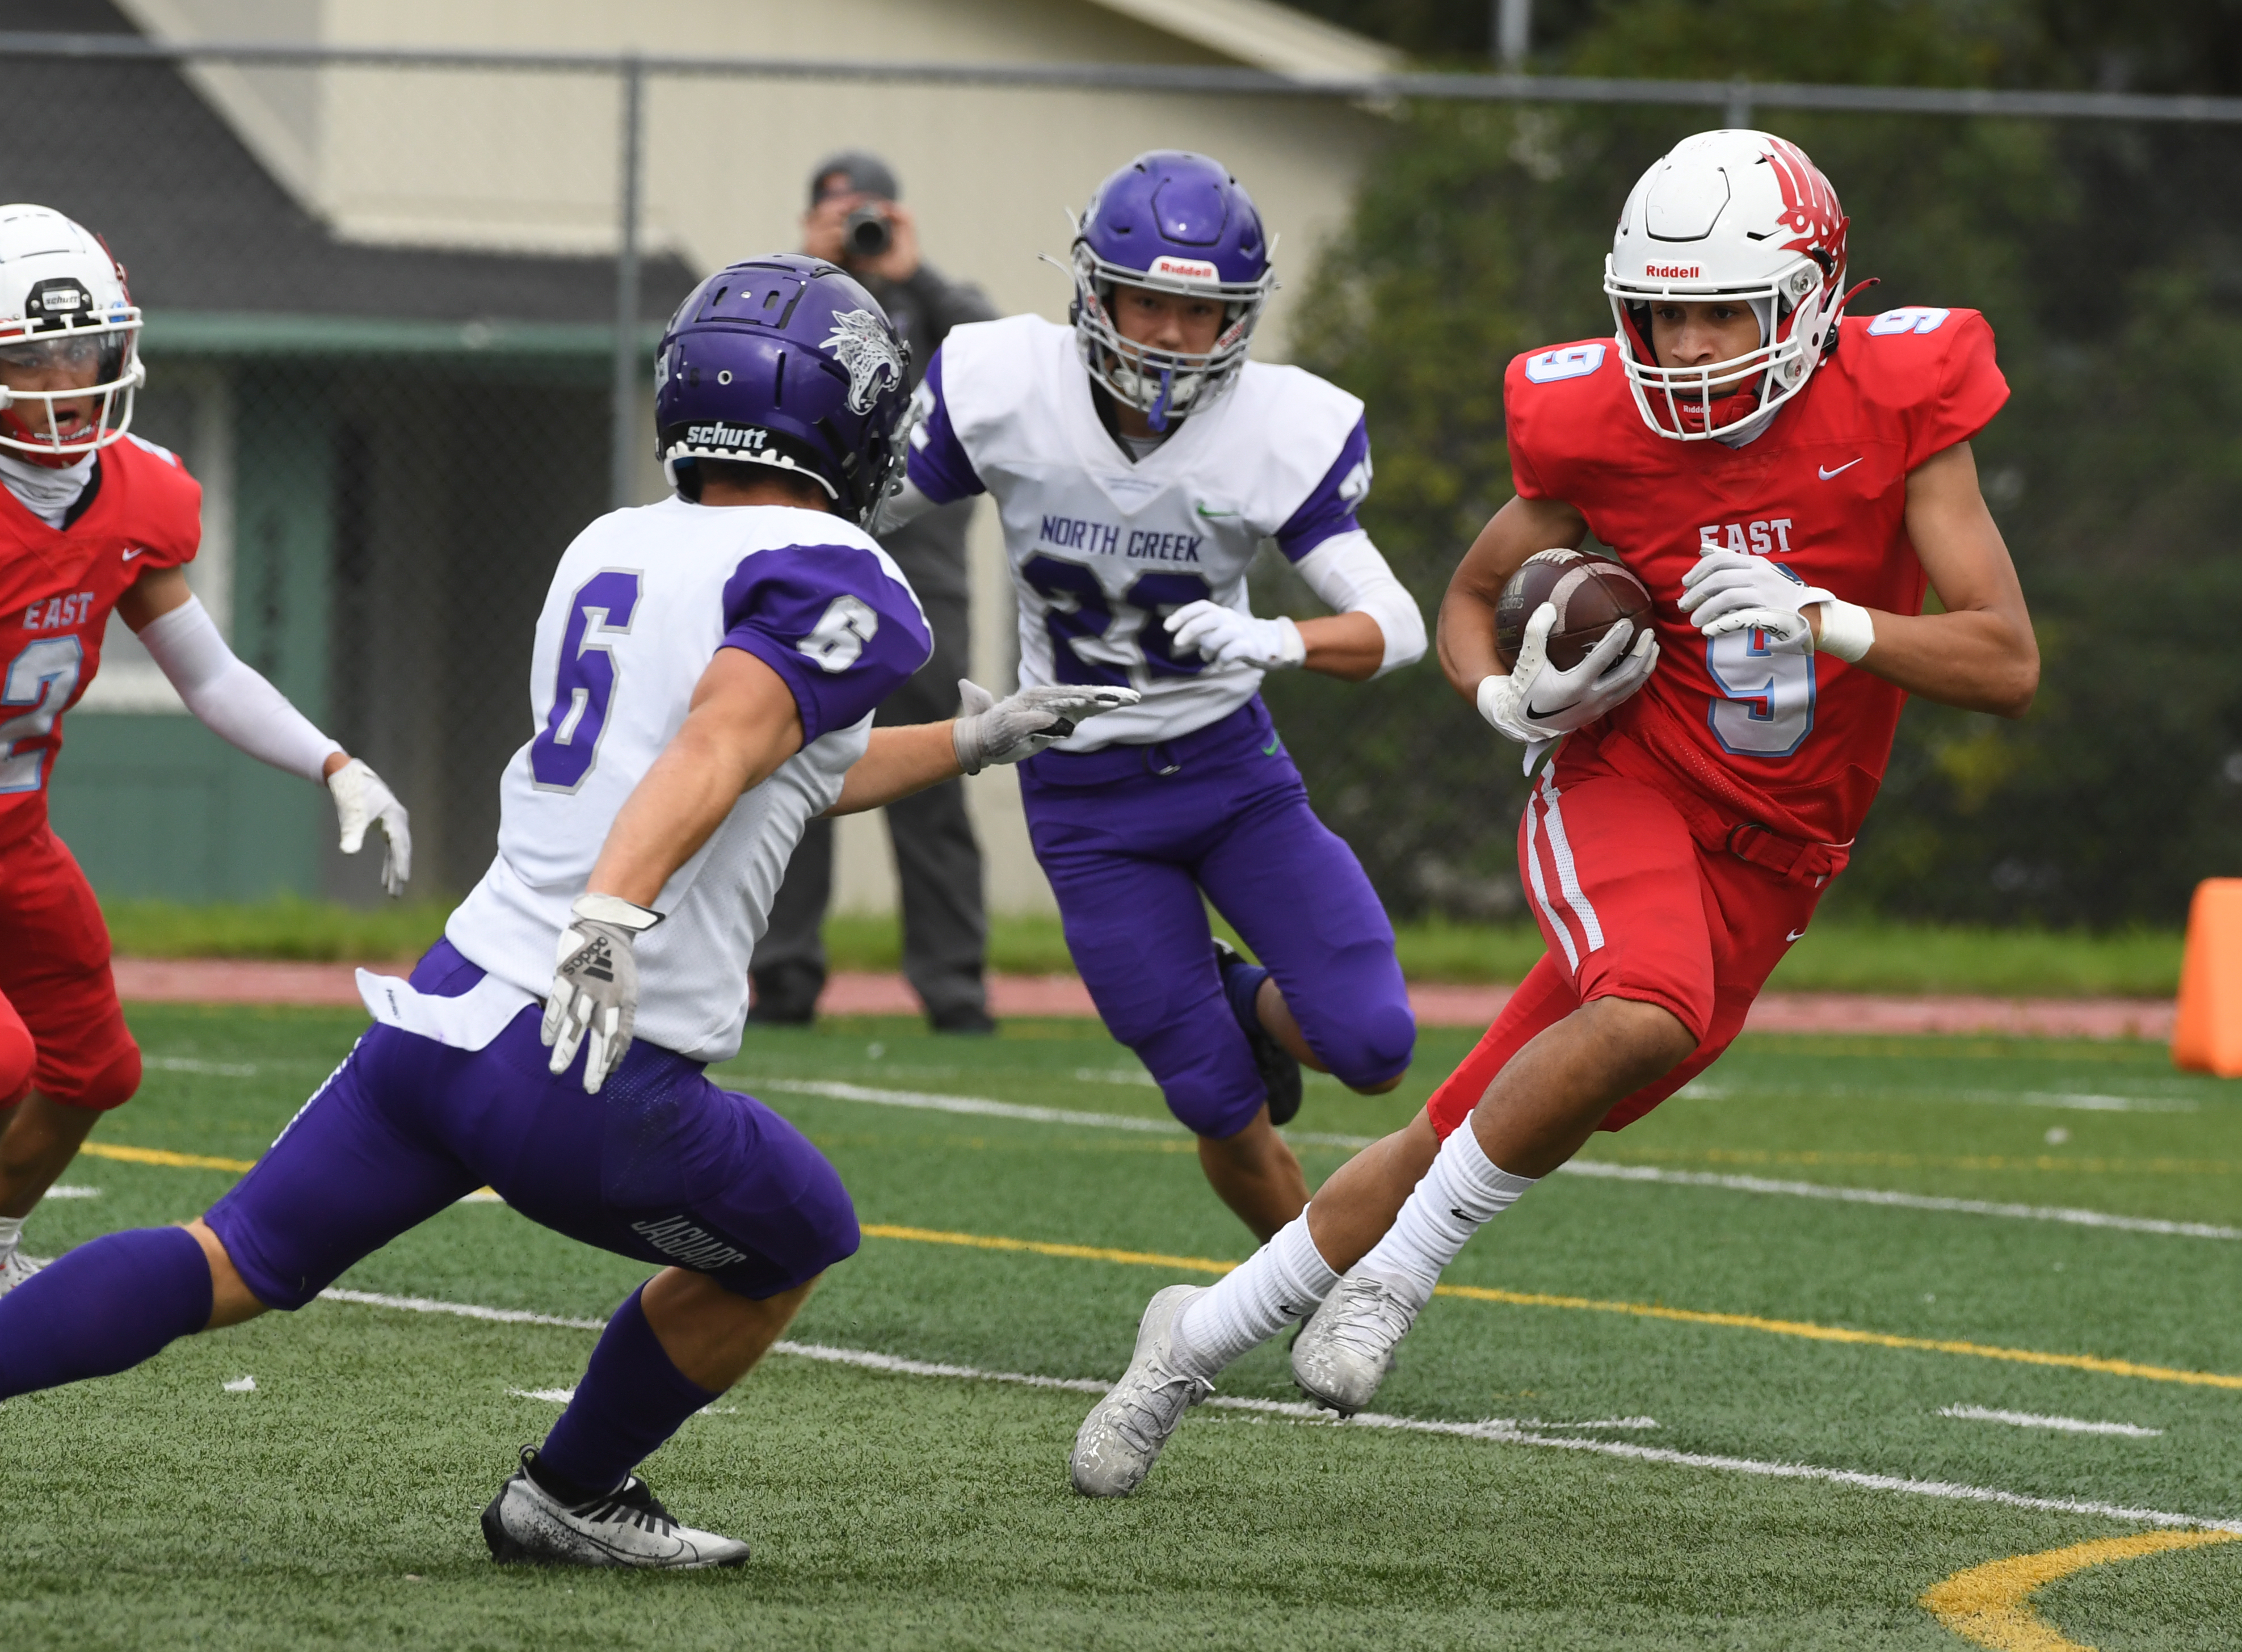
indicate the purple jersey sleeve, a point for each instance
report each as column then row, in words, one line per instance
column 842, row 632
column 937, row 463
column 1329, row 510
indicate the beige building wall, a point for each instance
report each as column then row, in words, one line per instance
column 508, row 161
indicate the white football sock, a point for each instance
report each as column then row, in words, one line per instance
column 11, row 1229
column 1462, row 1192
column 1278, row 1284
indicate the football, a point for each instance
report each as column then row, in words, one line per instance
column 1589, row 592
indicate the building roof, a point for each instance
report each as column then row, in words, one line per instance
column 133, row 153
column 1265, row 35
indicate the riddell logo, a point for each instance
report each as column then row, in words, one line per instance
column 1188, row 269
column 1675, row 272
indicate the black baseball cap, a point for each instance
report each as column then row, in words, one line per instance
column 866, row 175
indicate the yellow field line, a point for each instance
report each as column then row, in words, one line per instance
column 1040, row 1247
column 1640, row 1309
column 159, row 1156
column 1473, row 1292
column 1990, row 1604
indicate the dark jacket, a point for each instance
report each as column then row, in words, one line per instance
column 932, row 551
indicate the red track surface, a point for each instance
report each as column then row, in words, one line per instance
column 225, row 981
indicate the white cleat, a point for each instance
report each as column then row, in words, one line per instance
column 14, row 1271
column 1345, row 1350
column 525, row 1524
column 1120, row 1440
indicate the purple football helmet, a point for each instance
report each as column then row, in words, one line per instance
column 1174, row 222
column 783, row 362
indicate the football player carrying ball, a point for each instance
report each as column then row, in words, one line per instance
column 1787, row 483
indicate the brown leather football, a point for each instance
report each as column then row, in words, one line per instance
column 1590, row 593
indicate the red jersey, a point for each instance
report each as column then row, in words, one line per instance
column 56, row 587
column 1796, row 743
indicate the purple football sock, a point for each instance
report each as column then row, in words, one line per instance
column 102, row 1308
column 631, row 1400
column 1241, row 983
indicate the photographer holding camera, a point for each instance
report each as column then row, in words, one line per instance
column 855, row 221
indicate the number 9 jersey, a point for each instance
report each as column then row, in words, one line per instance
column 1796, row 743
column 1103, row 550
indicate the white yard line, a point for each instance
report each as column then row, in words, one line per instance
column 1904, row 1201
column 1496, row 1432
column 1597, row 1167
column 462, row 1310
column 2036, row 1420
column 1699, row 1089
column 63, row 1190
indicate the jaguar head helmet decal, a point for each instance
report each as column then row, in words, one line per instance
column 862, row 345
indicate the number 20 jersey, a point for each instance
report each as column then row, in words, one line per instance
column 640, row 603
column 1103, row 550
column 1796, row 743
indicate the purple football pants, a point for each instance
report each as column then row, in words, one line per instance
column 1130, row 836
column 661, row 1165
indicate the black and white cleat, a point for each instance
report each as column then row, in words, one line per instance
column 527, row 1525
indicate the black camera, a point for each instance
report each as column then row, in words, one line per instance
column 867, row 233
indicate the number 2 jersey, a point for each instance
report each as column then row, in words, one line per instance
column 640, row 604
column 57, row 586
column 1103, row 550
column 1796, row 742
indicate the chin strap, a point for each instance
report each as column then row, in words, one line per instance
column 1837, row 315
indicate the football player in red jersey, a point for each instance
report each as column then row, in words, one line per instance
column 91, row 519
column 1787, row 483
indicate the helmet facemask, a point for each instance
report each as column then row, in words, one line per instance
column 1697, row 404
column 1163, row 385
column 30, row 419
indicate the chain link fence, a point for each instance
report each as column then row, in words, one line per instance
column 383, row 291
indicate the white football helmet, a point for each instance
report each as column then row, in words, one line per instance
column 1743, row 216
column 63, row 306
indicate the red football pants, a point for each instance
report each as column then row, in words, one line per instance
column 62, row 1030
column 1631, row 906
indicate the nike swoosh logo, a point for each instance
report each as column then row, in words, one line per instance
column 1203, row 511
column 1847, row 465
column 129, row 555
column 1794, row 935
column 1269, row 751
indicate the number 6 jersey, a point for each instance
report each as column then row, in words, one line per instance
column 1102, row 549
column 1796, row 743
column 640, row 603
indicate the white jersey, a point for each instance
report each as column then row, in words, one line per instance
column 638, row 606
column 1103, row 549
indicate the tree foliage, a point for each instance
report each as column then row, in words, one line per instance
column 2108, row 258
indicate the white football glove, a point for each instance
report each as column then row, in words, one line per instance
column 360, row 800
column 1536, row 702
column 596, row 986
column 1223, row 636
column 1731, row 590
column 989, row 730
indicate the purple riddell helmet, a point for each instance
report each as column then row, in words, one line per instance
column 1174, row 222
column 782, row 361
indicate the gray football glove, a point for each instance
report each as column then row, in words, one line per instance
column 595, row 995
column 1537, row 703
column 989, row 730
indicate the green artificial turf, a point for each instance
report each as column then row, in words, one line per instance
column 335, row 1504
column 1837, row 954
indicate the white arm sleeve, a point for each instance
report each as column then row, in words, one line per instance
column 1349, row 574
column 233, row 701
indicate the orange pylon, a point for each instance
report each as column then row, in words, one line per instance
column 2207, row 1037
